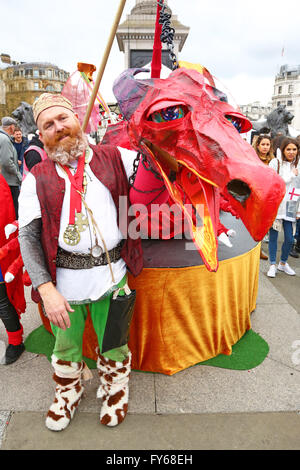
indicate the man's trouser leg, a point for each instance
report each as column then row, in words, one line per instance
column 114, row 368
column 15, row 192
column 68, row 343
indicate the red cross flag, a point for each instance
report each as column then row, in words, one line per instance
column 294, row 194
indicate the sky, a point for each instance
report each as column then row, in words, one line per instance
column 241, row 43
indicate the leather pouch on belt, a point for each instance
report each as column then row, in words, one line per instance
column 118, row 320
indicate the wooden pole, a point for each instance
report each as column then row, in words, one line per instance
column 103, row 64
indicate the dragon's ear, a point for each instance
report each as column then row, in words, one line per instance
column 200, row 69
column 130, row 92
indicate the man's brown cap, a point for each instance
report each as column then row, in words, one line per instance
column 49, row 100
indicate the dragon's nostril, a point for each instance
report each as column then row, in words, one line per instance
column 239, row 190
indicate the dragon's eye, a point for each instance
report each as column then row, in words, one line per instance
column 235, row 122
column 172, row 113
column 219, row 94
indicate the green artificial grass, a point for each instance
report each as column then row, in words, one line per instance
column 247, row 353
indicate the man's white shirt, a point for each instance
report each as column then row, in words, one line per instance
column 82, row 285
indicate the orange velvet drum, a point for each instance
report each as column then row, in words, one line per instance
column 187, row 315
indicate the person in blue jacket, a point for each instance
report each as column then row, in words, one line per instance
column 21, row 143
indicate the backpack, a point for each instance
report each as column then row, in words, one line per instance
column 40, row 151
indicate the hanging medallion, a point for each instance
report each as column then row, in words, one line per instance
column 81, row 222
column 71, row 235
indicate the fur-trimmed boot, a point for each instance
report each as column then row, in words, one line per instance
column 68, row 392
column 113, row 389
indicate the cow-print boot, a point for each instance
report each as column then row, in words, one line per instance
column 113, row 389
column 68, row 392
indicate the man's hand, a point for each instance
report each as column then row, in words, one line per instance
column 56, row 306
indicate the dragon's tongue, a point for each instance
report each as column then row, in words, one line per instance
column 198, row 193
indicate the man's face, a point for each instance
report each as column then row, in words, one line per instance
column 59, row 127
column 9, row 129
column 18, row 136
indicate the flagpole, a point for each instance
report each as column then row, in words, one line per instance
column 103, row 64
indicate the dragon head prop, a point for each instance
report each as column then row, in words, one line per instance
column 184, row 123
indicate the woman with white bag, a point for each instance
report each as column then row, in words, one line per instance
column 287, row 166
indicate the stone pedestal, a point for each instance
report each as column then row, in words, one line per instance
column 136, row 35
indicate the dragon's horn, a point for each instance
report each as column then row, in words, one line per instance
column 130, row 92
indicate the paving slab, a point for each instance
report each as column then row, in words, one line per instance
column 204, row 389
column 267, row 292
column 279, row 325
column 2, row 350
column 4, row 420
column 287, row 286
column 255, row 431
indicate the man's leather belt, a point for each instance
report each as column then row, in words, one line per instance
column 73, row 260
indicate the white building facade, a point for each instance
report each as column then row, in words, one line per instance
column 287, row 91
column 256, row 110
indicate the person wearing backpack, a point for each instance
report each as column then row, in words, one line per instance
column 34, row 154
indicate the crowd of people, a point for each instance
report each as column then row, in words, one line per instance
column 282, row 154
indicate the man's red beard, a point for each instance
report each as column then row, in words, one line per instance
column 66, row 146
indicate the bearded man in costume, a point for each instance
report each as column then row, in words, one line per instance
column 77, row 256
